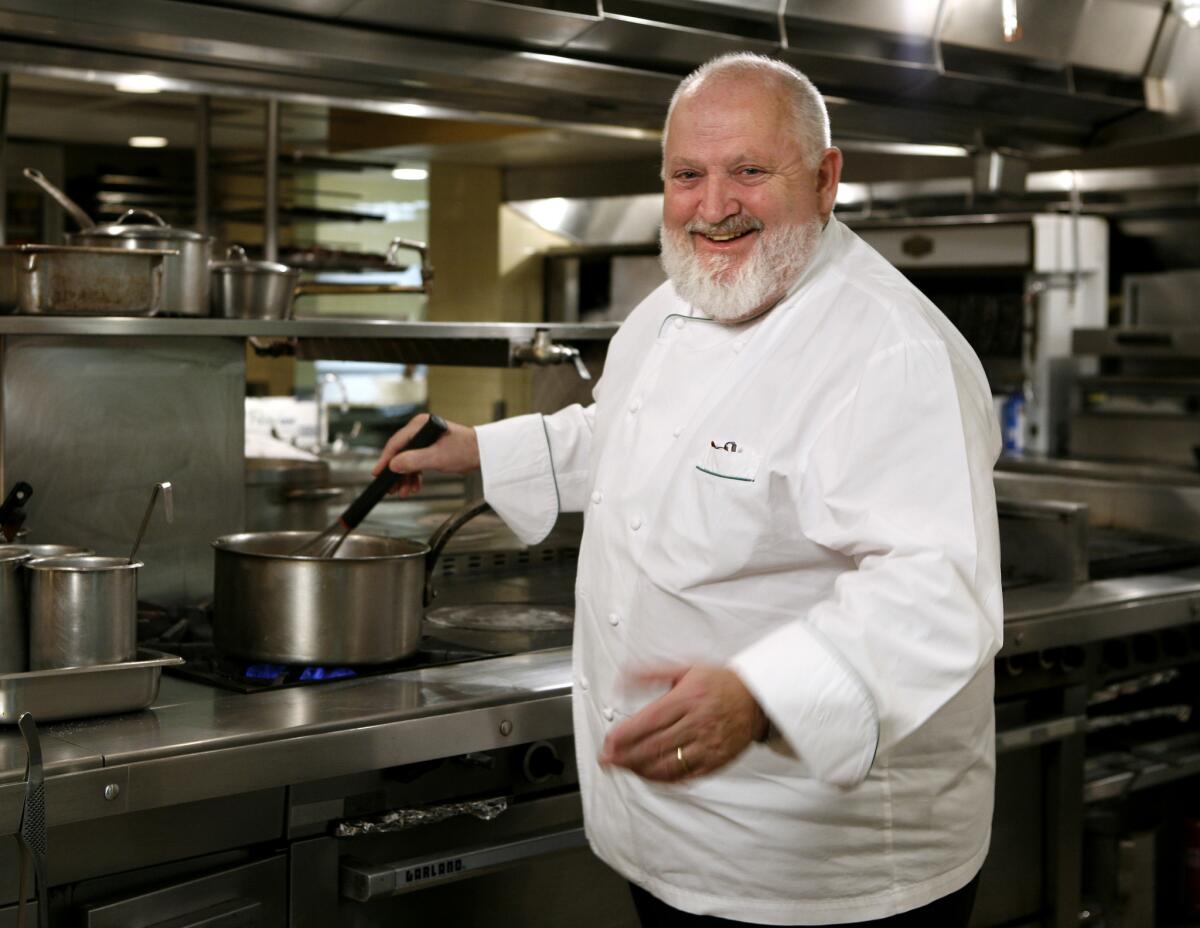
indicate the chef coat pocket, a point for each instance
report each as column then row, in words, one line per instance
column 729, row 464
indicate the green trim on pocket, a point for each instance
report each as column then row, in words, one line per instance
column 704, row 470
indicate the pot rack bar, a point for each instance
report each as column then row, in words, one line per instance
column 472, row 344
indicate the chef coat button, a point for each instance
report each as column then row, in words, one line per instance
column 677, row 431
column 597, row 496
column 583, row 682
column 608, row 713
column 678, row 323
column 635, row 523
column 635, row 405
column 738, row 345
column 614, row 619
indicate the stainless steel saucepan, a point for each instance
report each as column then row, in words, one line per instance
column 245, row 289
column 363, row 606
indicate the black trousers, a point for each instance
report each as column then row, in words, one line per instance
column 951, row 911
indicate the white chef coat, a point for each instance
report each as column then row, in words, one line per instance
column 806, row 498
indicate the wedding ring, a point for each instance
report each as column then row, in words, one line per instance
column 682, row 763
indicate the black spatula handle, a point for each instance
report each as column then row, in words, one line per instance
column 434, row 428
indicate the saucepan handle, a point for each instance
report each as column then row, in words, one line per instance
column 441, row 535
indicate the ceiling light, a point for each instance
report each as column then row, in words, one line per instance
column 409, row 173
column 147, row 141
column 408, row 109
column 904, row 148
column 848, row 194
column 1065, row 180
column 1009, row 20
column 1189, row 11
column 550, row 213
column 140, row 83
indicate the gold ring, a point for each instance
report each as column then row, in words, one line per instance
column 682, row 763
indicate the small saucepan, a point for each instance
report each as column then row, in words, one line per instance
column 363, row 606
column 245, row 289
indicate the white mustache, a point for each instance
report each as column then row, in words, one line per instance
column 735, row 225
column 733, row 291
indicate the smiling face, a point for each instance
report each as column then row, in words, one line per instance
column 743, row 205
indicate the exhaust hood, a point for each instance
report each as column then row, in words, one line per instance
column 1039, row 76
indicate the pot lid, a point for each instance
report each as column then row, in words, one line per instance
column 491, row 617
column 236, row 260
column 253, row 267
column 156, row 228
column 83, row 564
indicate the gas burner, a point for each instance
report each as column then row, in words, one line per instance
column 454, row 635
column 274, row 672
column 204, row 664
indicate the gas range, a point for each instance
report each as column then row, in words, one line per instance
column 187, row 632
column 204, row 664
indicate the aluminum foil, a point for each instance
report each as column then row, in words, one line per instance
column 401, row 819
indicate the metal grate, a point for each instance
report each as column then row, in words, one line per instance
column 479, row 563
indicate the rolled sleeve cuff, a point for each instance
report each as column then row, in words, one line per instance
column 518, row 475
column 819, row 709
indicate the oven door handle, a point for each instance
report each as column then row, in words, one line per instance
column 363, row 881
column 1039, row 733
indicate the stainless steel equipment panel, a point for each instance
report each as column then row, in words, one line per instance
column 254, row 894
column 999, row 245
column 94, row 423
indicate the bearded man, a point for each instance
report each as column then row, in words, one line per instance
column 788, row 595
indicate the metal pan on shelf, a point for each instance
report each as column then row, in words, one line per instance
column 66, row 280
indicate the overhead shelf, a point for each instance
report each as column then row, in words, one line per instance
column 473, row 344
column 304, row 213
column 1162, row 343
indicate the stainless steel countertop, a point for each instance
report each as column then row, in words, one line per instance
column 1047, row 615
column 197, row 742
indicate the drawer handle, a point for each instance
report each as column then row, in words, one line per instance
column 236, row 913
column 1145, row 339
column 1039, row 733
column 363, row 881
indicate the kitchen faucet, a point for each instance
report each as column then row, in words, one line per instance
column 339, row 443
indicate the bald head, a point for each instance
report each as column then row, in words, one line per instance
column 782, row 89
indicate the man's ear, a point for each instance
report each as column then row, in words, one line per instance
column 829, row 174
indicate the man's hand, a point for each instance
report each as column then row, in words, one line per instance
column 456, row 452
column 708, row 716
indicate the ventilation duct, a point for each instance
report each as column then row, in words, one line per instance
column 1037, row 76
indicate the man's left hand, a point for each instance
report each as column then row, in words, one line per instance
column 704, row 721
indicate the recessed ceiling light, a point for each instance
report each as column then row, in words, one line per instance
column 147, row 141
column 408, row 109
column 905, row 148
column 140, row 83
column 410, row 173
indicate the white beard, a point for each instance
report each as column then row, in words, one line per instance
column 772, row 267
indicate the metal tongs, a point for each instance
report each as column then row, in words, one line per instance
column 32, row 834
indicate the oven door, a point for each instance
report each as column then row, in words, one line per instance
column 529, row 867
column 1032, row 872
column 253, row 895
